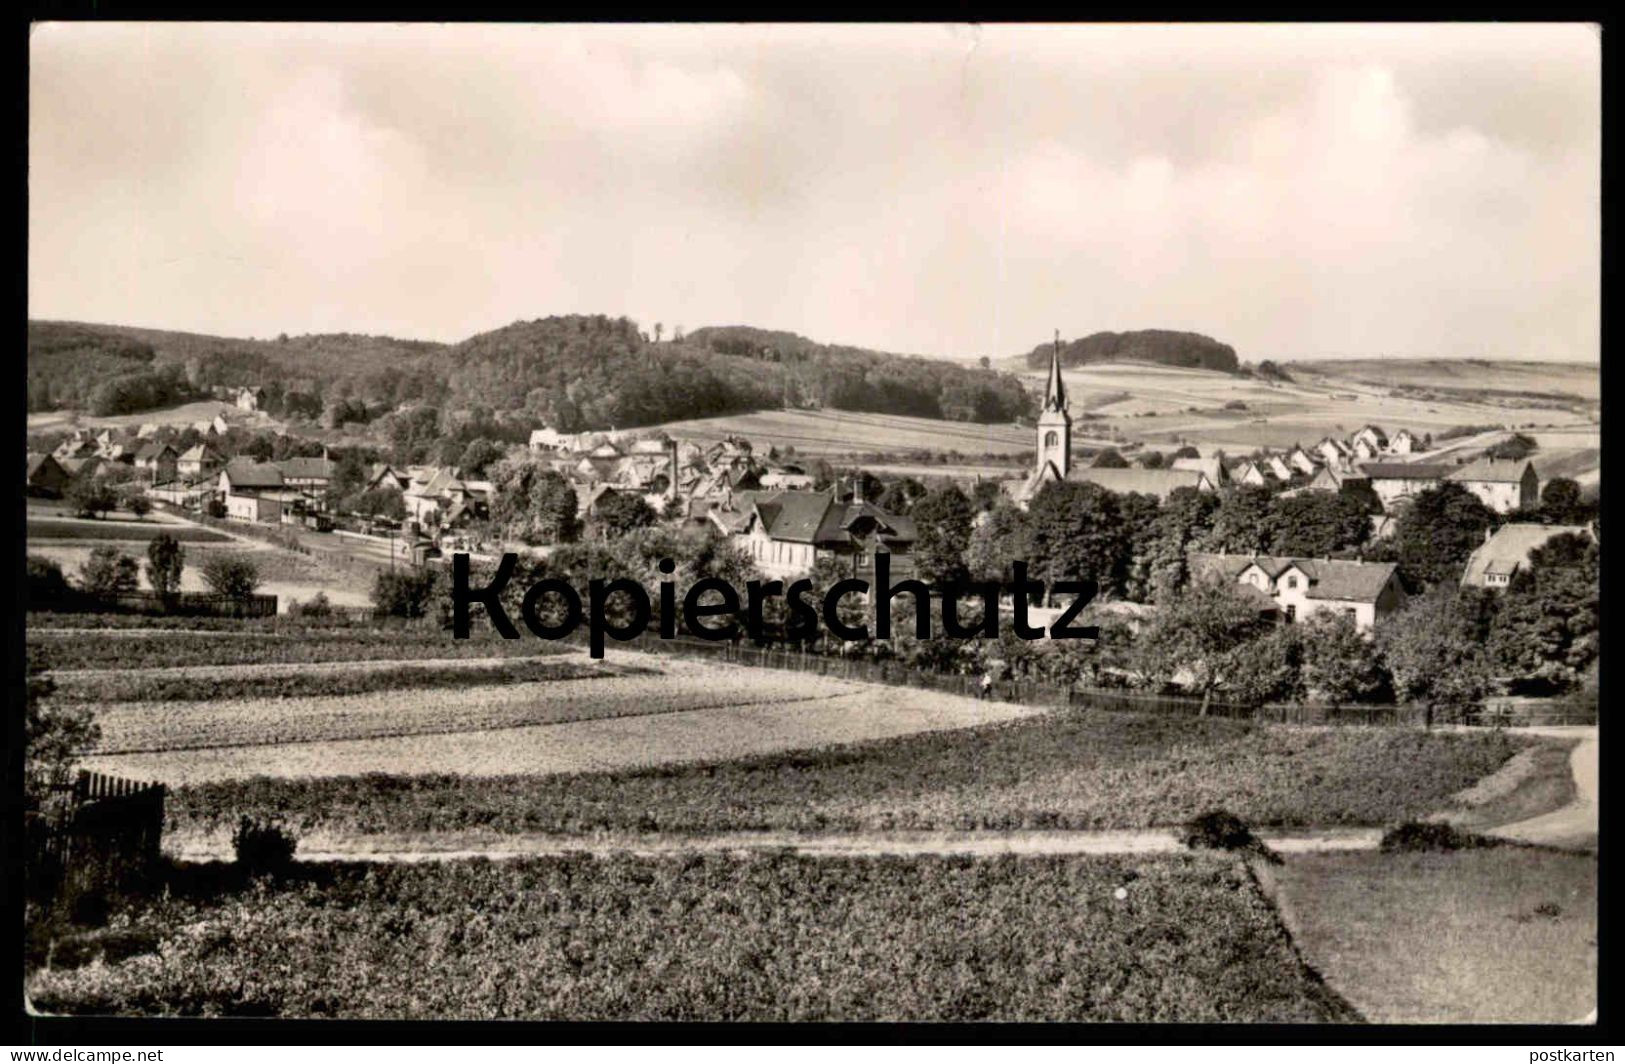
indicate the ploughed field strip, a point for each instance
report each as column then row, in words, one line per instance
column 709, row 937
column 875, row 760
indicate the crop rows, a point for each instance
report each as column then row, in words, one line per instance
column 248, row 682
column 579, row 691
column 90, row 650
column 1072, row 770
column 770, row 937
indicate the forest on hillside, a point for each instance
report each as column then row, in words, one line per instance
column 1187, row 350
column 573, row 372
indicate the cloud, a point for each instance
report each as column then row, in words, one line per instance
column 948, row 190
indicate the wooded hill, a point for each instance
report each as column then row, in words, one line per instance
column 574, row 372
column 1184, row 349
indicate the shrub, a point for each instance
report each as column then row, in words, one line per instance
column 165, row 562
column 404, row 593
column 108, row 571
column 1417, row 836
column 230, row 574
column 318, row 608
column 45, row 579
column 137, row 503
column 1220, row 829
column 263, row 845
column 90, row 498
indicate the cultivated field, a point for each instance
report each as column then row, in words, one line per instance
column 710, row 937
column 1166, row 406
column 805, row 767
column 823, row 432
column 178, row 416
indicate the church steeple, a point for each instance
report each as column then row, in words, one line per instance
column 1055, row 388
column 1054, row 423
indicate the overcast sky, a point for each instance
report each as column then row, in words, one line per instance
column 948, row 190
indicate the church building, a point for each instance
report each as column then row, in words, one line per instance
column 1055, row 454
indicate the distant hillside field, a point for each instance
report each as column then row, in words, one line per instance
column 831, row 432
column 1579, row 380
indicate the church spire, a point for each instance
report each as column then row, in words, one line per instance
column 1055, row 389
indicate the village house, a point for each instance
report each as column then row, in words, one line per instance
column 1402, row 442
column 1212, row 467
column 147, row 430
column 787, row 532
column 444, row 499
column 251, row 491
column 1294, row 589
column 546, row 441
column 1392, row 481
column 383, row 476
column 85, row 468
column 250, row 399
column 1054, row 462
column 1505, row 552
column 157, row 460
column 1303, row 462
column 307, row 474
column 1372, row 438
column 1248, row 472
column 76, row 446
column 1502, row 485
column 46, row 476
column 197, row 461
column 1278, row 468
column 1334, row 451
column 219, row 425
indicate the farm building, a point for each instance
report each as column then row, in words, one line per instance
column 157, row 460
column 786, row 532
column 1392, row 481
column 312, row 473
column 46, row 476
column 1506, row 551
column 1504, row 486
column 1295, row 589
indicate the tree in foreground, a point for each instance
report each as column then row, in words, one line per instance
column 108, row 571
column 1433, row 649
column 231, row 575
column 165, row 561
column 1339, row 663
column 55, row 734
column 1199, row 632
column 1436, row 532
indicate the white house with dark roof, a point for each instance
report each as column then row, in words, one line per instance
column 1402, row 442
column 1393, row 481
column 1303, row 462
column 1504, row 485
column 786, row 532
column 1505, row 553
column 196, row 461
column 1295, row 589
column 1249, row 473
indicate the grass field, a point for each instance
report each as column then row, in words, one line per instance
column 711, row 938
column 1052, row 770
column 111, row 531
column 180, row 416
column 1504, row 935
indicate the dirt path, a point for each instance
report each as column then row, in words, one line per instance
column 1575, row 825
column 456, row 846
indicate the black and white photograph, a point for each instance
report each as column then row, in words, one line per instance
column 907, row 523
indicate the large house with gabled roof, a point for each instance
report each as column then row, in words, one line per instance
column 1295, row 589
column 787, row 532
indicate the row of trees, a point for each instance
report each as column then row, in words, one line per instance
column 109, row 572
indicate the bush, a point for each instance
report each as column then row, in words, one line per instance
column 1417, row 836
column 90, row 497
column 45, row 579
column 318, row 608
column 108, row 571
column 263, row 845
column 1220, row 829
column 137, row 503
column 230, row 574
column 404, row 593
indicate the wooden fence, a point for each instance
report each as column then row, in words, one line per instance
column 183, row 604
column 1113, row 699
column 95, row 835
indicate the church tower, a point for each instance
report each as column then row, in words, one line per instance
column 1054, row 423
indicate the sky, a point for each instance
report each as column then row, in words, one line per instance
column 948, row 190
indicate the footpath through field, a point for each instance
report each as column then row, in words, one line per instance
column 459, row 846
column 1575, row 825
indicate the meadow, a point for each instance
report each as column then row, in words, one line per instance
column 1063, row 769
column 1501, row 935
column 821, row 432
column 714, row 937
